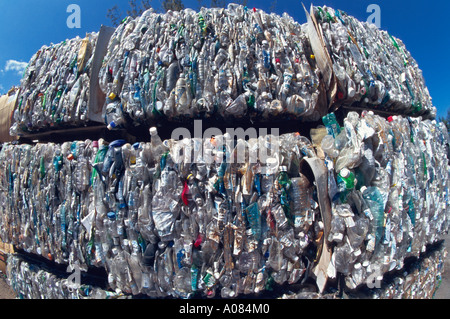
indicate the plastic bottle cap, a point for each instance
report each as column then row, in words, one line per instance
column 95, row 144
column 363, row 189
column 111, row 215
column 313, row 56
column 70, row 157
column 111, row 126
column 345, row 172
column 153, row 131
column 112, row 96
column 351, row 92
column 363, row 90
column 390, row 119
column 271, row 161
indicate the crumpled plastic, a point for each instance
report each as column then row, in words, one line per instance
column 374, row 70
column 215, row 63
column 55, row 88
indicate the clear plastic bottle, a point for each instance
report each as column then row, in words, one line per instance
column 330, row 122
column 114, row 116
column 301, row 197
column 134, row 262
column 328, row 146
column 337, row 230
column 374, row 201
column 158, row 148
column 344, row 258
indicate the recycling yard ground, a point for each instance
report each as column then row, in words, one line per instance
column 442, row 293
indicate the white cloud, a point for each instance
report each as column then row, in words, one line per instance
column 16, row 66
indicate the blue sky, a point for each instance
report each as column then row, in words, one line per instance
column 26, row 25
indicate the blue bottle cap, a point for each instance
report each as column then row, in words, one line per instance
column 111, row 216
column 117, row 143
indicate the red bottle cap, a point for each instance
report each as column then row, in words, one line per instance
column 198, row 241
column 390, row 119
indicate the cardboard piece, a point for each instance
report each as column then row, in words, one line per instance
column 7, row 104
column 321, row 55
column 314, row 169
column 96, row 96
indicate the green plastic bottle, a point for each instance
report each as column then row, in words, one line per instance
column 346, row 183
column 331, row 124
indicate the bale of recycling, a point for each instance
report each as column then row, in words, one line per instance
column 390, row 195
column 59, row 87
column 212, row 216
column 232, row 63
column 368, row 68
column 139, row 211
column 38, row 281
column 420, row 279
